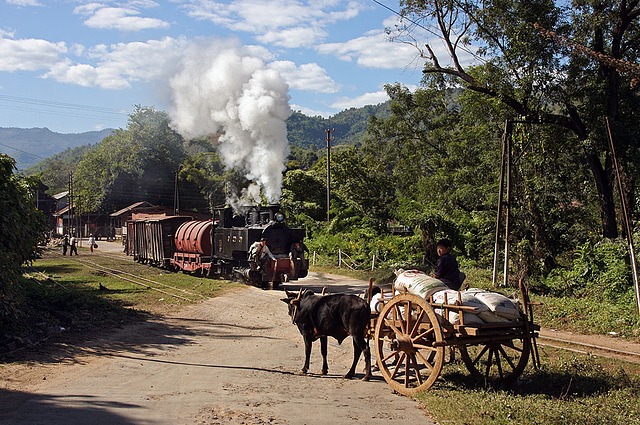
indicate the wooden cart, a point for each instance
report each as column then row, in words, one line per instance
column 410, row 342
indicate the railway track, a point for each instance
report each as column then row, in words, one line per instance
column 588, row 348
column 137, row 280
column 544, row 340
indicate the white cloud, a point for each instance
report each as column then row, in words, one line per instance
column 293, row 37
column 24, row 2
column 10, row 33
column 366, row 99
column 285, row 23
column 120, row 64
column 308, row 76
column 373, row 50
column 120, row 18
column 311, row 112
column 30, row 54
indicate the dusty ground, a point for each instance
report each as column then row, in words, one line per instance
column 228, row 360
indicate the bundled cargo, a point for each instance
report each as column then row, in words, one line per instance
column 455, row 298
column 378, row 300
column 489, row 307
column 418, row 283
column 498, row 304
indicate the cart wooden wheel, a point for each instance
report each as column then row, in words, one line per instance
column 409, row 344
column 499, row 361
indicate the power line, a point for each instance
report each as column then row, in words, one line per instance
column 430, row 31
column 21, row 151
column 49, row 103
column 41, row 106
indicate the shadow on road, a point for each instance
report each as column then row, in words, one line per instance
column 19, row 407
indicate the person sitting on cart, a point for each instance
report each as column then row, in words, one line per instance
column 447, row 269
column 259, row 253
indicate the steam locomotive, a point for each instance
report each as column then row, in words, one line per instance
column 221, row 246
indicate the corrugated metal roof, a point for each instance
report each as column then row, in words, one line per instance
column 60, row 195
column 131, row 207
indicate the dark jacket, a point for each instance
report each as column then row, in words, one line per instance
column 448, row 271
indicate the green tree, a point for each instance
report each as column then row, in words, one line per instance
column 361, row 185
column 132, row 164
column 21, row 228
column 539, row 78
column 441, row 163
column 442, row 149
column 304, row 193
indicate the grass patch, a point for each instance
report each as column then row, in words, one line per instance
column 568, row 389
column 380, row 276
column 586, row 315
column 78, row 298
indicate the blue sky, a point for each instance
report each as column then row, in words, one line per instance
column 75, row 66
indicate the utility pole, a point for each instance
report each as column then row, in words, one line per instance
column 70, row 212
column 628, row 225
column 329, row 139
column 176, row 193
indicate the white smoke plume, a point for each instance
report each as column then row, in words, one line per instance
column 219, row 86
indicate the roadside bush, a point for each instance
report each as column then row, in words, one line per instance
column 391, row 251
column 21, row 228
column 600, row 270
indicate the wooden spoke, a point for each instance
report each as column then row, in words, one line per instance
column 398, row 364
column 422, row 335
column 424, row 360
column 500, row 362
column 393, row 327
column 399, row 315
column 479, row 356
column 418, row 351
column 407, row 370
column 393, row 353
column 506, row 357
column 415, row 325
column 422, row 346
column 417, row 369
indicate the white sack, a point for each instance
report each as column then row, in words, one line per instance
column 419, row 283
column 499, row 304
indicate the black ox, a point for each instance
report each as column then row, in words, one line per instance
column 332, row 315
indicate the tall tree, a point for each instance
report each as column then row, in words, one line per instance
column 132, row 164
column 21, row 228
column 538, row 78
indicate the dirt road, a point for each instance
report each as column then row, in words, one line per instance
column 229, row 360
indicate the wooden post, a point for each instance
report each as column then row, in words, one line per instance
column 339, row 258
column 505, row 136
column 373, row 262
column 314, row 258
column 625, row 216
column 329, row 139
column 508, row 213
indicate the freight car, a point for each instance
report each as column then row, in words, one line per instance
column 220, row 247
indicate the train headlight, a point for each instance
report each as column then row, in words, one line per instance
column 279, row 217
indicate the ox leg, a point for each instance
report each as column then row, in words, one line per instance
column 367, row 360
column 356, row 356
column 360, row 345
column 323, row 350
column 307, row 354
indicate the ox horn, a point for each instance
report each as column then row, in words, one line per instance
column 295, row 306
column 324, row 291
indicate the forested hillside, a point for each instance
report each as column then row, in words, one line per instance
column 28, row 146
column 350, row 126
